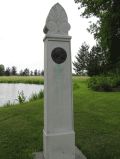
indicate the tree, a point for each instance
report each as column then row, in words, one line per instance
column 26, row 72
column 80, row 65
column 115, row 32
column 14, row 71
column 39, row 73
column 2, row 70
column 107, row 28
column 42, row 73
column 96, row 61
column 21, row 73
column 31, row 73
column 93, row 61
column 7, row 71
column 35, row 72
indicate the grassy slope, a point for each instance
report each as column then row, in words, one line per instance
column 97, row 125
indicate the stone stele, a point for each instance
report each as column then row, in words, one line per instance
column 58, row 133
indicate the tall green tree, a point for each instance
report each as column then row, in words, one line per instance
column 96, row 61
column 2, row 70
column 81, row 63
column 21, row 73
column 107, row 29
column 115, row 32
column 31, row 73
column 7, row 71
column 35, row 72
column 14, row 71
column 26, row 72
column 93, row 62
column 42, row 73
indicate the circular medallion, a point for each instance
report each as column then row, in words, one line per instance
column 59, row 55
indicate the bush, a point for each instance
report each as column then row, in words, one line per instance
column 107, row 83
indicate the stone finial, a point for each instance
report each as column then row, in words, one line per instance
column 57, row 21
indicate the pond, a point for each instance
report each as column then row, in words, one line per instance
column 9, row 92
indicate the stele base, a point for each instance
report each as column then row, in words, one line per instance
column 78, row 155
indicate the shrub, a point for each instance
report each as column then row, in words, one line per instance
column 104, row 83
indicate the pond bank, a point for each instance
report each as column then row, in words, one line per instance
column 13, row 93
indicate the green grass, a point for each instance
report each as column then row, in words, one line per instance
column 21, row 130
column 22, row 79
column 97, row 122
column 97, row 125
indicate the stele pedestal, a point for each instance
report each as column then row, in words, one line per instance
column 58, row 133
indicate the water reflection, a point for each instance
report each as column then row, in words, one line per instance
column 9, row 92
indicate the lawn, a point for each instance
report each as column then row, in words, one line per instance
column 97, row 125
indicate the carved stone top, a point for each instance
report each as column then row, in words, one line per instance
column 57, row 21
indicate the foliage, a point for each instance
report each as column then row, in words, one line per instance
column 110, row 82
column 81, row 59
column 39, row 73
column 35, row 72
column 115, row 32
column 42, row 73
column 96, row 118
column 31, row 73
column 7, row 71
column 97, row 61
column 2, row 70
column 21, row 73
column 36, row 96
column 14, row 71
column 21, row 97
column 26, row 72
column 107, row 28
column 92, row 61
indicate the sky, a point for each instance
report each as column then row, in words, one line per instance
column 21, row 31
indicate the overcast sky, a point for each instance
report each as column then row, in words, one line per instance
column 21, row 31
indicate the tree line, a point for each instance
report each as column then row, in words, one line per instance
column 12, row 71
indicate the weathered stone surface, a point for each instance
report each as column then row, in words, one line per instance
column 59, row 136
column 58, row 133
column 57, row 21
column 78, row 155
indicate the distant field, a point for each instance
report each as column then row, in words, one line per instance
column 30, row 79
column 96, row 118
column 22, row 79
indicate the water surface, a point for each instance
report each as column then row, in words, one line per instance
column 9, row 92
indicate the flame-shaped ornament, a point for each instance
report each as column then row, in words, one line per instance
column 57, row 21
